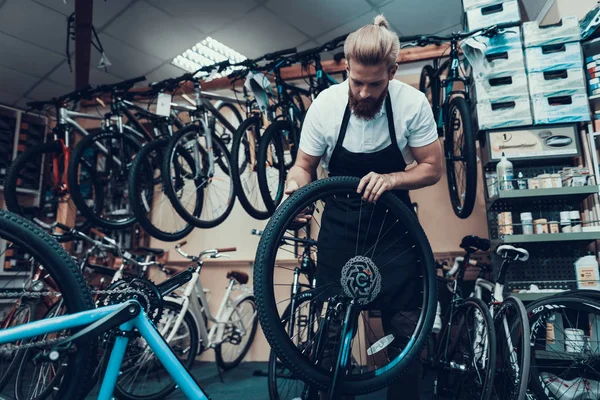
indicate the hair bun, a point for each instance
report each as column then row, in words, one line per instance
column 381, row 21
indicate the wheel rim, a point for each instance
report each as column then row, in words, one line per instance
column 455, row 159
column 238, row 331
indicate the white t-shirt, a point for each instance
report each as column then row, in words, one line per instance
column 413, row 120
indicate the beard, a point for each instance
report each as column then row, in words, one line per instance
column 365, row 108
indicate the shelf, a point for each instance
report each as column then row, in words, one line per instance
column 548, row 237
column 534, row 296
column 574, row 192
column 558, row 355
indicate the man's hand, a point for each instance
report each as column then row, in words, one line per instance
column 291, row 186
column 374, row 185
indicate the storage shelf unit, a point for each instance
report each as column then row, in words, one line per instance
column 534, row 296
column 575, row 193
column 549, row 237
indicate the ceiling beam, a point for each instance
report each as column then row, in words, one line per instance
column 83, row 41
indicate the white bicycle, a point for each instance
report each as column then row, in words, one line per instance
column 511, row 322
column 190, row 328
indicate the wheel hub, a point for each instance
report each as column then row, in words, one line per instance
column 361, row 280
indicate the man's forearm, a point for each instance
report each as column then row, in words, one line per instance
column 301, row 176
column 421, row 176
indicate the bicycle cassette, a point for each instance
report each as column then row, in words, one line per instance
column 136, row 288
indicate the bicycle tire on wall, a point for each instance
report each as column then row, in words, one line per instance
column 74, row 293
column 195, row 218
column 468, row 152
column 78, row 157
column 241, row 167
column 138, row 204
column 271, row 136
column 226, row 138
column 268, row 312
column 11, row 183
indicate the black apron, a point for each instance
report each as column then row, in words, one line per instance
column 351, row 227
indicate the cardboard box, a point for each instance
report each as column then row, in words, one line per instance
column 553, row 57
column 558, row 107
column 501, row 88
column 565, row 31
column 503, row 114
column 500, row 13
column 471, row 4
column 565, row 80
column 502, row 64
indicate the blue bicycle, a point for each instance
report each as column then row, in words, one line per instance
column 56, row 351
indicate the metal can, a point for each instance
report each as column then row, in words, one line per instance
column 556, row 180
column 533, row 183
column 505, row 223
column 545, row 181
column 527, row 223
column 553, row 226
column 541, row 226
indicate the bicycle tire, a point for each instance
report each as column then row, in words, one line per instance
column 188, row 320
column 74, row 290
column 227, row 365
column 271, row 134
column 11, row 184
column 78, row 157
column 49, row 386
column 267, row 308
column 195, row 218
column 272, row 366
column 434, row 85
column 521, row 324
column 140, row 204
column 468, row 152
column 239, row 168
column 226, row 137
column 477, row 304
column 538, row 312
column 16, row 359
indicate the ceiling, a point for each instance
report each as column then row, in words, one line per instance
column 141, row 37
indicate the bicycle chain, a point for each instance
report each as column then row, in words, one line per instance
column 9, row 348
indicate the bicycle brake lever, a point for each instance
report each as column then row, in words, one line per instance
column 219, row 255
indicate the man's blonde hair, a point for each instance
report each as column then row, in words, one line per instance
column 373, row 44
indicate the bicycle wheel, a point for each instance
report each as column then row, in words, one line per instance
column 38, row 379
column 19, row 178
column 381, row 358
column 26, row 250
column 244, row 170
column 232, row 113
column 110, row 155
column 238, row 334
column 212, row 189
column 429, row 84
column 271, row 165
column 142, row 375
column 461, row 157
column 282, row 383
column 513, row 359
column 10, row 362
column 467, row 352
column 151, row 206
column 564, row 366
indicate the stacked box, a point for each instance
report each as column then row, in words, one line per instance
column 500, row 88
column 484, row 13
column 555, row 69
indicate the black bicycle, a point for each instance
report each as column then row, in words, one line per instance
column 446, row 85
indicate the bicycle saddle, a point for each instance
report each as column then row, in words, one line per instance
column 475, row 243
column 158, row 252
column 240, row 277
column 516, row 253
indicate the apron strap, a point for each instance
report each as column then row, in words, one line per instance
column 343, row 127
column 390, row 119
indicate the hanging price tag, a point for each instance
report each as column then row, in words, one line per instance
column 163, row 104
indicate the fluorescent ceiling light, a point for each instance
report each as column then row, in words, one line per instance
column 207, row 52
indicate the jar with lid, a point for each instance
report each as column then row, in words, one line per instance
column 527, row 223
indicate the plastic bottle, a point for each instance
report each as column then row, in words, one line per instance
column 505, row 172
column 586, row 271
column 521, row 181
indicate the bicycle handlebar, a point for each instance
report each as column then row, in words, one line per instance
column 213, row 253
column 423, row 40
column 280, row 53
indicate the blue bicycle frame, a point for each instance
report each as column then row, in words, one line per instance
column 146, row 328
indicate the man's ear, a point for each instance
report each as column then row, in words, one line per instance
column 347, row 65
column 393, row 71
